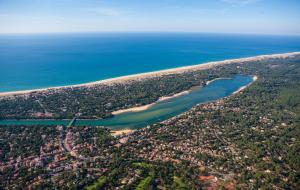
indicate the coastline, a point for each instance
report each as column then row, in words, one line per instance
column 141, row 76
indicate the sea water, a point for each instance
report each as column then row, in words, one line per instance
column 48, row 60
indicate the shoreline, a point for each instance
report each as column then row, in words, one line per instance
column 120, row 132
column 141, row 76
column 145, row 107
column 254, row 78
column 210, row 81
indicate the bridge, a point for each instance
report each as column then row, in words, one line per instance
column 72, row 122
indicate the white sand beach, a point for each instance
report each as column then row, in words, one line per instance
column 134, row 109
column 208, row 82
column 121, row 132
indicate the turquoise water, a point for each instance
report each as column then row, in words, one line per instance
column 159, row 111
column 36, row 61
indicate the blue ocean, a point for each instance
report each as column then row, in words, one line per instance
column 48, row 60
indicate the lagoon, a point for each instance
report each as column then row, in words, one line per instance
column 160, row 111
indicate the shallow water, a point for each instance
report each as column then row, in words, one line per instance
column 160, row 111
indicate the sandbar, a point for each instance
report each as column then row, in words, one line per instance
column 121, row 132
column 246, row 86
column 145, row 107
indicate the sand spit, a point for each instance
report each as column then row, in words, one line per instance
column 122, row 132
column 208, row 82
column 173, row 96
column 134, row 109
column 246, row 86
column 145, row 107
column 141, row 76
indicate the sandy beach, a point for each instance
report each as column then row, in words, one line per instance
column 145, row 107
column 134, row 109
column 173, row 96
column 208, row 82
column 122, row 132
column 141, row 76
column 244, row 87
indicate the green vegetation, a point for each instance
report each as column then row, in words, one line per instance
column 290, row 97
column 179, row 184
column 98, row 184
column 146, row 182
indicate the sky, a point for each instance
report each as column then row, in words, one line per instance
column 218, row 16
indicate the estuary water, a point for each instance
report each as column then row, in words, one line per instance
column 160, row 111
column 49, row 60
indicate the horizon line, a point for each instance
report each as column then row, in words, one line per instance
column 167, row 32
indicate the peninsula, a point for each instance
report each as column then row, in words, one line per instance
column 103, row 99
column 141, row 76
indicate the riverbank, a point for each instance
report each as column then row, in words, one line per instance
column 122, row 132
column 142, row 76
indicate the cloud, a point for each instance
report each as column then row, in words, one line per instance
column 240, row 2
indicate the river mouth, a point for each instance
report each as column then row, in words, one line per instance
column 160, row 111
